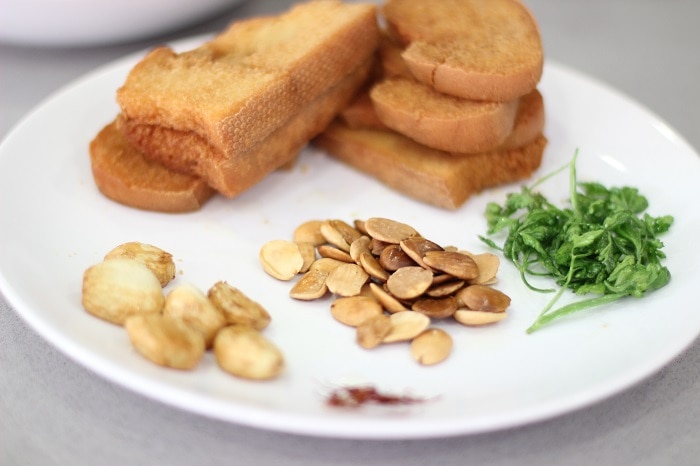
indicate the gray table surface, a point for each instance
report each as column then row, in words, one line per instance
column 54, row 411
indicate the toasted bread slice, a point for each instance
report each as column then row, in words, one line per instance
column 226, row 96
column 432, row 176
column 442, row 121
column 232, row 176
column 123, row 174
column 360, row 114
column 529, row 120
column 475, row 49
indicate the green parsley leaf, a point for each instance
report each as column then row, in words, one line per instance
column 603, row 244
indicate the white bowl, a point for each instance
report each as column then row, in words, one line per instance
column 98, row 22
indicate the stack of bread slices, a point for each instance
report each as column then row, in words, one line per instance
column 453, row 106
column 222, row 116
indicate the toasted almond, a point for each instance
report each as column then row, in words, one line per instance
column 360, row 226
column 483, row 298
column 389, row 303
column 372, row 331
column 353, row 310
column 237, row 307
column 326, row 264
column 309, row 232
column 409, row 282
column 405, row 326
column 359, row 246
column 475, row 318
column 454, row 263
column 446, row 288
column 308, row 253
column 311, row 285
column 373, row 267
column 346, row 280
column 165, row 341
column 281, row 259
column 488, row 265
column 334, row 237
column 158, row 261
column 388, row 230
column 245, row 352
column 348, row 232
column 117, row 288
column 432, row 346
column 332, row 252
column 393, row 258
column 376, row 246
column 416, row 247
column 436, row 308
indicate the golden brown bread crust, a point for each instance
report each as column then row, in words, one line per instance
column 124, row 175
column 442, row 121
column 220, row 100
column 475, row 49
column 529, row 120
column 231, row 176
column 434, row 177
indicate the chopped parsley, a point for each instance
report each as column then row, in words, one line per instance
column 603, row 245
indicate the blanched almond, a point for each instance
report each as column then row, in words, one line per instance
column 372, row 331
column 454, row 263
column 483, row 298
column 354, row 310
column 436, row 308
column 311, row 285
column 373, row 267
column 281, row 259
column 416, row 247
column 393, row 258
column 409, row 282
column 476, row 318
column 309, row 232
column 333, row 252
column 388, row 230
column 389, row 303
column 405, row 326
column 334, row 237
column 432, row 346
column 359, row 246
column 326, row 264
column 346, row 280
column 308, row 253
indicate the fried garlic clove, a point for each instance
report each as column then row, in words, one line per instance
column 159, row 261
column 115, row 289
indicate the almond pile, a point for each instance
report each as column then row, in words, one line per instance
column 388, row 281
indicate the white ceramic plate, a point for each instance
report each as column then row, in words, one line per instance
column 54, row 224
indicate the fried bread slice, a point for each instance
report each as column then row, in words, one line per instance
column 225, row 97
column 475, row 49
column 123, row 174
column 435, row 177
column 232, row 176
column 529, row 119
